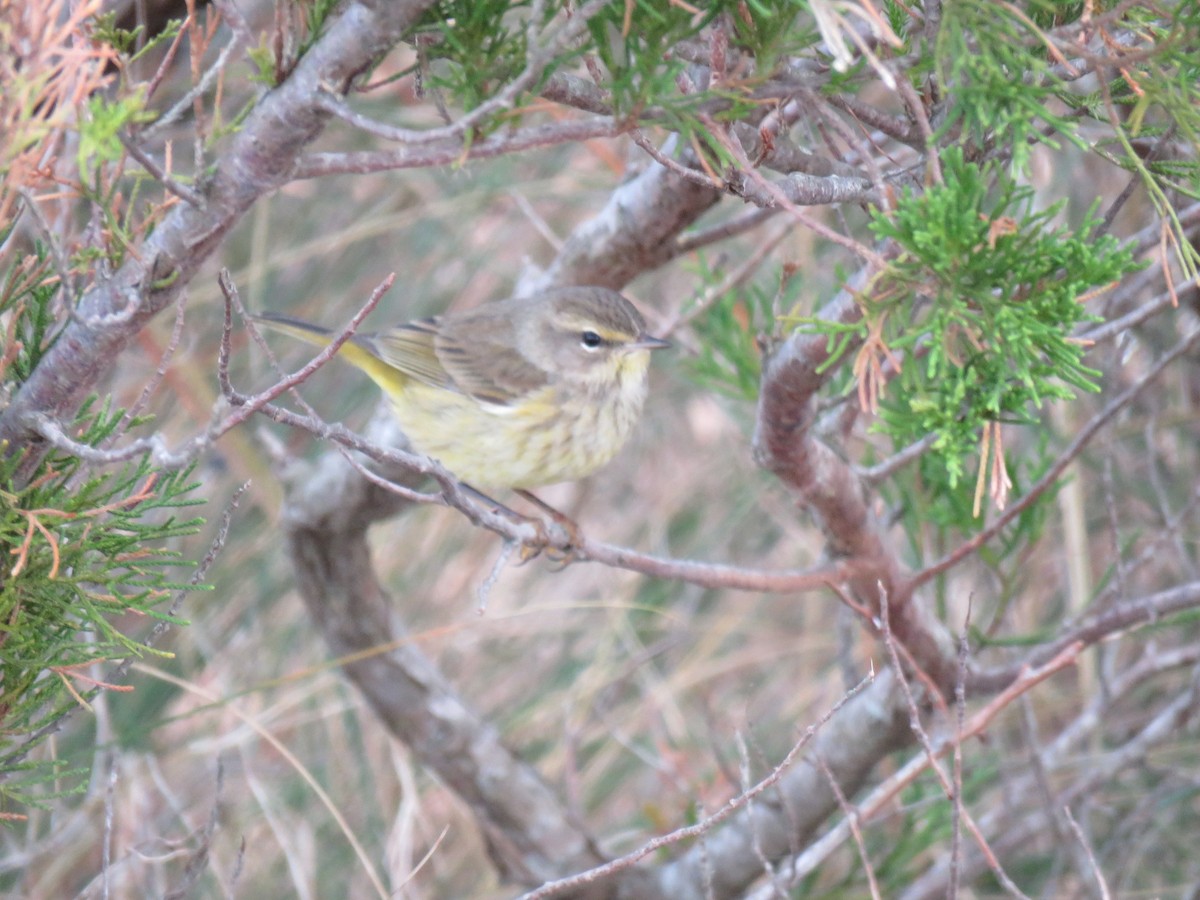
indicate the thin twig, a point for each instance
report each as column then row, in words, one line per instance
column 185, row 103
column 1098, row 627
column 886, row 793
column 485, row 588
column 909, row 95
column 687, row 173
column 316, row 165
column 278, row 746
column 778, row 196
column 109, row 815
column 960, row 715
column 168, row 60
column 160, row 372
column 732, row 279
column 541, row 52
column 180, row 190
column 704, row 825
column 244, row 406
column 717, row 233
column 50, row 236
column 199, row 858
column 881, row 471
column 932, row 755
column 1118, row 327
column 852, row 820
column 744, row 783
column 1091, row 857
column 328, row 352
column 893, row 126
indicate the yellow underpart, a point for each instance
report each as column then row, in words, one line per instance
column 551, row 435
column 558, row 433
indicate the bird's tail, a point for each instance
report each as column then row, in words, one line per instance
column 358, row 351
column 305, row 331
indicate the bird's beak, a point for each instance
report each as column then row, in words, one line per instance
column 646, row 342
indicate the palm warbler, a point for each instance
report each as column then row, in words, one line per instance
column 516, row 394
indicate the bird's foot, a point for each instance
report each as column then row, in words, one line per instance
column 560, row 553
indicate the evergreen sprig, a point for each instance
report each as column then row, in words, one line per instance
column 475, row 47
column 1000, row 86
column 972, row 321
column 87, row 553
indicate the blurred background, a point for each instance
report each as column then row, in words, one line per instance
column 643, row 702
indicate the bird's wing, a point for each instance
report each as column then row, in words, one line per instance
column 410, row 348
column 459, row 355
column 480, row 353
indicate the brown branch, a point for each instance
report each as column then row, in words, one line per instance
column 450, row 152
column 886, row 793
column 799, row 190
column 959, row 810
column 902, row 129
column 1013, row 834
column 530, row 835
column 715, row 233
column 851, row 819
column 869, row 725
column 159, row 174
column 634, row 233
column 244, row 406
column 1119, row 618
column 541, row 50
column 713, row 575
column 827, row 485
column 1090, row 855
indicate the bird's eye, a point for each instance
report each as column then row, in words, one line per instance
column 590, row 340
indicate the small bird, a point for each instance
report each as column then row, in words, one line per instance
column 518, row 393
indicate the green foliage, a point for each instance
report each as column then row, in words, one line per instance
column 28, row 291
column 897, row 17
column 85, row 551
column 977, row 311
column 1154, row 94
column 769, row 28
column 985, row 295
column 1163, row 88
column 316, row 15
column 727, row 357
column 995, row 86
column 279, row 51
column 125, row 41
column 262, row 64
column 474, row 47
column 100, row 130
column 478, row 47
column 902, row 854
column 636, row 51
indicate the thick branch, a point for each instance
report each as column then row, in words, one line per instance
column 531, row 837
column 635, row 232
column 867, row 729
column 828, row 486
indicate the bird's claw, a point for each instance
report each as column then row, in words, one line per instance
column 560, row 553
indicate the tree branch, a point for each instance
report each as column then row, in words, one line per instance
column 828, row 486
column 530, row 835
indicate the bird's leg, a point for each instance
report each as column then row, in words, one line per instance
column 534, row 548
column 559, row 555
